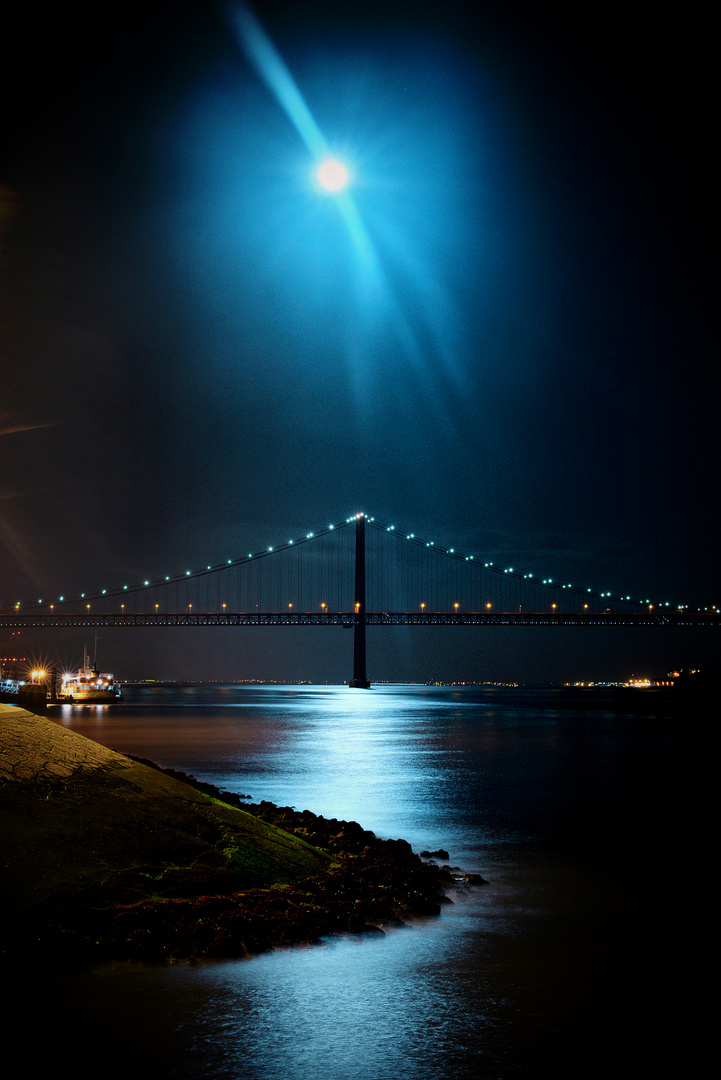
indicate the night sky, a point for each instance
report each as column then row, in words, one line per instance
column 200, row 357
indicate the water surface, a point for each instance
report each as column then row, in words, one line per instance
column 578, row 810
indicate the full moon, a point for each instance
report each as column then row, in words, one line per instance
column 332, row 174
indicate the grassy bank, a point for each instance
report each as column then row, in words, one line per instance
column 109, row 857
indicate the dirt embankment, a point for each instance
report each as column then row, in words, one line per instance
column 104, row 856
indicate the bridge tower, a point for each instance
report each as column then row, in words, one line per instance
column 359, row 626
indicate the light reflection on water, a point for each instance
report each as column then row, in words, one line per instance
column 562, row 806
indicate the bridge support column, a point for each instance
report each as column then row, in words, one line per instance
column 359, row 679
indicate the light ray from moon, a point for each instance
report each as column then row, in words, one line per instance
column 331, row 174
column 265, row 59
column 22, row 427
column 333, row 177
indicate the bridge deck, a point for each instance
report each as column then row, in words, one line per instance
column 48, row 620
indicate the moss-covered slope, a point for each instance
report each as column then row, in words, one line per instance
column 104, row 856
column 111, row 830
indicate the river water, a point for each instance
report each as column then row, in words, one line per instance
column 572, row 961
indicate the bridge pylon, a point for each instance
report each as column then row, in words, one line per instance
column 359, row 679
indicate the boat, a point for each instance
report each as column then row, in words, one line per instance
column 89, row 685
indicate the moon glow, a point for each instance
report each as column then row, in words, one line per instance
column 332, row 175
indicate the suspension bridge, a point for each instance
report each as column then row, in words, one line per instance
column 355, row 573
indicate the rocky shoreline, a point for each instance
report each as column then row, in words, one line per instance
column 371, row 885
column 358, row 884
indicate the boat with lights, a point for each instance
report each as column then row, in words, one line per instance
column 89, row 685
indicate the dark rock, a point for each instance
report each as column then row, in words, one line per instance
column 440, row 854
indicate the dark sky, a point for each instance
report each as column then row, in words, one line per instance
column 196, row 355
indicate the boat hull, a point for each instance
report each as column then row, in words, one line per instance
column 92, row 697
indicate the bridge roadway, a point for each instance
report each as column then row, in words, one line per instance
column 52, row 620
